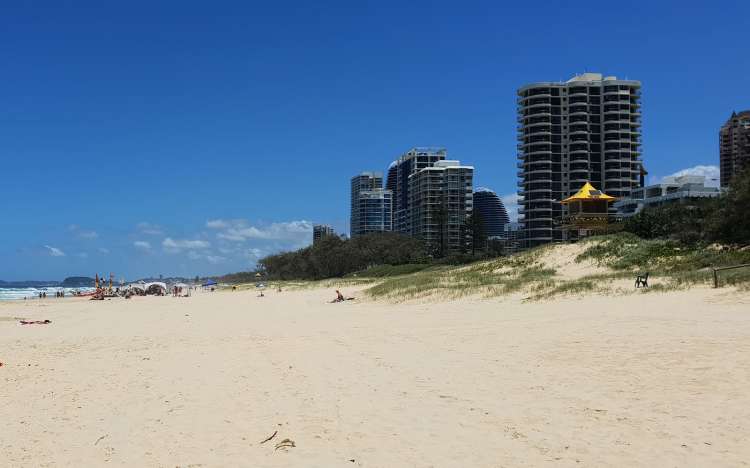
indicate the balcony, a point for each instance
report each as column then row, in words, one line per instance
column 539, row 151
column 535, row 210
column 535, row 124
column 538, row 112
column 546, row 94
column 539, row 131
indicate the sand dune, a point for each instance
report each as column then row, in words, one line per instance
column 642, row 380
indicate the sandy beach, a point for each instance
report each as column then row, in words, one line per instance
column 640, row 380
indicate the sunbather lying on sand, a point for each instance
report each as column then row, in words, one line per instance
column 35, row 322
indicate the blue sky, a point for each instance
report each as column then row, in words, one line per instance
column 187, row 138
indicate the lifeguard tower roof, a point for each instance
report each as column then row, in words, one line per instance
column 586, row 193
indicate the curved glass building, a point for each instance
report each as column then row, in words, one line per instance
column 492, row 212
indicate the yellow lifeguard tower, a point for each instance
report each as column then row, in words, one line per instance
column 587, row 213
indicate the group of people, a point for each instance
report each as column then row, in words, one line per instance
column 43, row 294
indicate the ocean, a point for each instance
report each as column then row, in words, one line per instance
column 7, row 294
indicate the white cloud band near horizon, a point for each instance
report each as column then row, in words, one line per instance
column 176, row 245
column 710, row 172
column 240, row 230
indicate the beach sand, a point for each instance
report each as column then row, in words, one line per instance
column 648, row 380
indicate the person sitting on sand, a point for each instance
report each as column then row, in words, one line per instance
column 339, row 297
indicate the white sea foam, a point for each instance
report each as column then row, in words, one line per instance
column 33, row 293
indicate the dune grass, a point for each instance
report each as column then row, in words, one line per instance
column 383, row 271
column 683, row 265
column 671, row 266
column 486, row 278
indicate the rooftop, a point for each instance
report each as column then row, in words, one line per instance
column 588, row 193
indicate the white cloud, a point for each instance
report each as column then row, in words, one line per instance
column 254, row 253
column 240, row 230
column 210, row 258
column 103, row 250
column 82, row 233
column 711, row 173
column 217, row 224
column 142, row 245
column 54, row 251
column 150, row 229
column 88, row 235
column 176, row 245
column 511, row 205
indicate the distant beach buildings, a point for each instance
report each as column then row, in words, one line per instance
column 321, row 231
column 587, row 129
column 734, row 146
column 671, row 190
column 425, row 196
column 490, row 209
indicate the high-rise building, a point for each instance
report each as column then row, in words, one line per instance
column 587, row 129
column 321, row 231
column 371, row 205
column 490, row 209
column 441, row 198
column 398, row 181
column 734, row 146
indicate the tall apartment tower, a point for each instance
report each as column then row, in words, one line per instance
column 734, row 146
column 441, row 200
column 587, row 129
column 399, row 172
column 371, row 205
column 489, row 207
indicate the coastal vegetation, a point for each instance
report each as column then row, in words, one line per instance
column 677, row 244
column 334, row 257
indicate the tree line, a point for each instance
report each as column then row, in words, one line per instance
column 333, row 256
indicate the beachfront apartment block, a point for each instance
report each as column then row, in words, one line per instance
column 320, row 231
column 374, row 208
column 734, row 146
column 678, row 189
column 587, row 129
column 399, row 171
column 371, row 205
column 440, row 201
